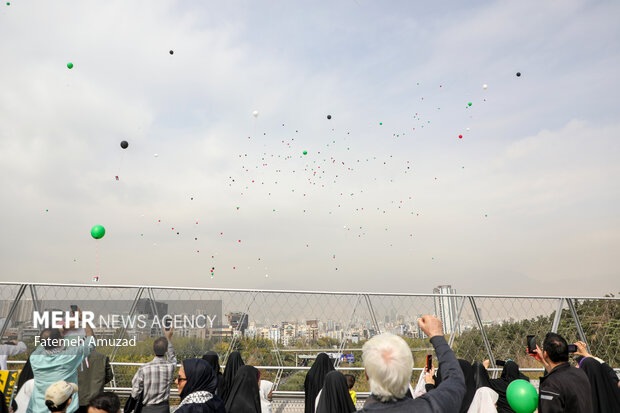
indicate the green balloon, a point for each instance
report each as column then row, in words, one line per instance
column 97, row 232
column 469, row 104
column 70, row 65
column 522, row 396
column 305, row 152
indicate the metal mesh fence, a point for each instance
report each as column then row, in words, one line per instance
column 284, row 330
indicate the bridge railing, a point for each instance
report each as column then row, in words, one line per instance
column 283, row 330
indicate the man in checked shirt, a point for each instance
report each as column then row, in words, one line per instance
column 154, row 378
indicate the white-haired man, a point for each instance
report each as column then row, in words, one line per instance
column 388, row 362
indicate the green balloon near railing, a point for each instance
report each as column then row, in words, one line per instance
column 522, row 396
column 97, row 232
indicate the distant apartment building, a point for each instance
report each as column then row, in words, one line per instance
column 22, row 313
column 446, row 308
column 312, row 330
column 238, row 321
column 275, row 333
column 331, row 325
column 151, row 308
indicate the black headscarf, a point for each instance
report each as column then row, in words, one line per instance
column 470, row 385
column 335, row 397
column 605, row 392
column 200, row 377
column 315, row 379
column 244, row 396
column 213, row 359
column 25, row 375
column 481, row 375
column 611, row 373
column 233, row 364
column 510, row 373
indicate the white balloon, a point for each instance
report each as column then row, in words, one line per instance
column 467, row 129
column 266, row 275
column 156, row 155
column 255, row 113
column 485, row 86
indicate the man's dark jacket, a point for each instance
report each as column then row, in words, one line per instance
column 565, row 389
column 446, row 397
column 92, row 378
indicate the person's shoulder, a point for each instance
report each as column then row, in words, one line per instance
column 568, row 370
column 183, row 408
column 564, row 377
column 211, row 406
column 146, row 366
column 405, row 404
column 95, row 355
column 579, row 374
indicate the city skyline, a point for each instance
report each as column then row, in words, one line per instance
column 285, row 331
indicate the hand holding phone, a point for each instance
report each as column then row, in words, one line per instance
column 429, row 377
column 531, row 345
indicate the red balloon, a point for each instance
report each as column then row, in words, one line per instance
column 460, row 136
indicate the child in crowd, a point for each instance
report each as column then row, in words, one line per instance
column 350, row 383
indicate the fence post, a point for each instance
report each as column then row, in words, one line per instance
column 487, row 345
column 343, row 342
column 371, row 311
column 132, row 310
column 151, row 296
column 582, row 336
column 233, row 340
column 457, row 323
column 9, row 316
column 35, row 298
column 558, row 315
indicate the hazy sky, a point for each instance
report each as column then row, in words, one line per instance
column 388, row 198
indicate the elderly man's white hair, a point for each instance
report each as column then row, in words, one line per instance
column 388, row 362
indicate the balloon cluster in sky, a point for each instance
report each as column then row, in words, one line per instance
column 298, row 173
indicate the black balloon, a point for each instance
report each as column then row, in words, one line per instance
column 124, row 144
column 329, row 116
column 171, row 51
column 518, row 74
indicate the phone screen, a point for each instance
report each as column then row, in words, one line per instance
column 531, row 344
column 572, row 348
column 429, row 362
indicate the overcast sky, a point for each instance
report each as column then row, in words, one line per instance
column 388, row 197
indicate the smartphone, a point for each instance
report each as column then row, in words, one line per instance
column 500, row 363
column 531, row 344
column 429, row 362
column 572, row 348
column 74, row 308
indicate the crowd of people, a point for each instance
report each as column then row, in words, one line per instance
column 60, row 378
